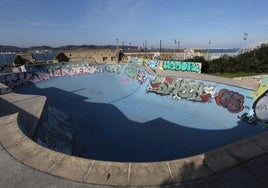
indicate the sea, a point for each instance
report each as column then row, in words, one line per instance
column 8, row 59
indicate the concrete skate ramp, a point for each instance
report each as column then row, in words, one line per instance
column 108, row 120
column 111, row 116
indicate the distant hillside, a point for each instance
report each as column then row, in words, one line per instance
column 16, row 49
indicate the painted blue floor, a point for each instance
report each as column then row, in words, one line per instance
column 116, row 120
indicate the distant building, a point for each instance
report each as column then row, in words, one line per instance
column 26, row 58
column 190, row 51
column 92, row 56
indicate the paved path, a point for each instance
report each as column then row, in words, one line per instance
column 13, row 174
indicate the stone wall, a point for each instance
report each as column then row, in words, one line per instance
column 93, row 56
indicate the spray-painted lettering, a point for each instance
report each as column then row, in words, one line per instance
column 37, row 74
column 180, row 89
column 131, row 71
column 232, row 101
column 153, row 64
column 113, row 68
column 182, row 66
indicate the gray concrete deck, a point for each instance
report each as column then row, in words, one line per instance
column 24, row 163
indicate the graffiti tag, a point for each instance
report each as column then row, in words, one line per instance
column 182, row 66
column 131, row 71
column 232, row 101
column 153, row 64
column 261, row 108
column 180, row 89
column 113, row 68
column 141, row 76
column 45, row 72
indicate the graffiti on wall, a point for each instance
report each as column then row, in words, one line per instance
column 55, row 130
column 181, row 89
column 46, row 72
column 231, row 100
column 259, row 112
column 263, row 87
column 131, row 70
column 153, row 64
column 141, row 76
column 74, row 71
column 135, row 72
column 113, row 68
column 261, row 108
column 137, row 60
column 24, row 78
column 182, row 66
column 169, row 65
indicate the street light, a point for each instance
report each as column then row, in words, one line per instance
column 245, row 38
column 209, row 43
column 117, row 41
column 175, row 42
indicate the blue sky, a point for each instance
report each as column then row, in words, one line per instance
column 62, row 22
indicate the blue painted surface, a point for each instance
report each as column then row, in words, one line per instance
column 116, row 120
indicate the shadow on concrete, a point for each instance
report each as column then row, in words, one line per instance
column 25, row 119
column 105, row 133
column 249, row 174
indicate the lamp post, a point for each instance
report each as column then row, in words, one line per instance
column 117, row 41
column 175, row 42
column 160, row 46
column 245, row 39
column 209, row 43
column 129, row 44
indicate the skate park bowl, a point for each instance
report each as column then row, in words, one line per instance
column 125, row 125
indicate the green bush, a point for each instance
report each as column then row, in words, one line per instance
column 255, row 61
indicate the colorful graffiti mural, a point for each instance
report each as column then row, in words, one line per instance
column 259, row 111
column 169, row 65
column 180, row 89
column 137, row 60
column 182, row 66
column 263, row 87
column 45, row 72
column 261, row 108
column 231, row 100
column 141, row 76
column 113, row 68
column 135, row 72
column 153, row 64
column 132, row 70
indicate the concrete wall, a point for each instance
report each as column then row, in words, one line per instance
column 93, row 56
column 179, row 66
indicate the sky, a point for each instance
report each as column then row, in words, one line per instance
column 194, row 23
